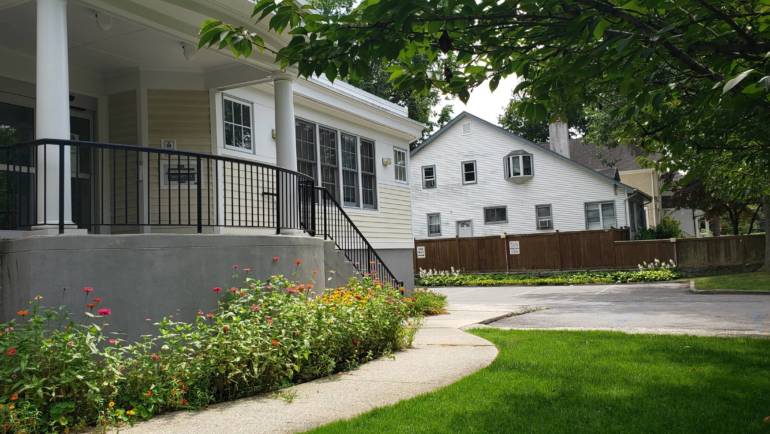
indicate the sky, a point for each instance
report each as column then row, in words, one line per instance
column 485, row 104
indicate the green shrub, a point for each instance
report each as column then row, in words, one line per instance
column 425, row 302
column 261, row 337
column 667, row 228
column 576, row 278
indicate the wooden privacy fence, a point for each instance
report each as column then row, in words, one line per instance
column 582, row 250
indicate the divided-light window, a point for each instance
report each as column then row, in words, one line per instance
column 518, row 165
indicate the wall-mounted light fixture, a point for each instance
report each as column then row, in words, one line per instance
column 387, row 162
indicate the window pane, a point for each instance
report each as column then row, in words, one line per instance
column 238, row 137
column 349, row 170
column 434, row 224
column 608, row 215
column 329, row 168
column 246, row 115
column 368, row 175
column 515, row 166
column 228, row 110
column 495, row 215
column 527, row 163
column 237, row 114
column 543, row 211
column 229, row 134
column 593, row 219
column 306, row 152
column 469, row 172
column 429, row 176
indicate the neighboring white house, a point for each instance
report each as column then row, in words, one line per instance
column 473, row 178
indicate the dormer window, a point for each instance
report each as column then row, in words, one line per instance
column 518, row 166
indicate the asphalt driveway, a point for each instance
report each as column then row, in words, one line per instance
column 643, row 308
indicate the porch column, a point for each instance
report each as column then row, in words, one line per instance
column 285, row 141
column 52, row 112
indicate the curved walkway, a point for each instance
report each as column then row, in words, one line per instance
column 442, row 354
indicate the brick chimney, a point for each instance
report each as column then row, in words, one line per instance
column 558, row 140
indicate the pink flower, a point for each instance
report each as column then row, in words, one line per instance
column 247, row 270
column 236, row 267
column 112, row 341
column 233, row 290
column 276, row 259
column 255, row 308
column 298, row 262
column 10, row 352
column 88, row 289
column 105, row 311
column 216, row 289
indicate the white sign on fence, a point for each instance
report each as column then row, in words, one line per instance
column 513, row 247
column 420, row 252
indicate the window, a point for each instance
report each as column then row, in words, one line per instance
column 434, row 225
column 544, row 216
column 399, row 162
column 495, row 214
column 428, row 176
column 349, row 169
column 237, row 120
column 368, row 175
column 469, row 172
column 600, row 215
column 306, row 152
column 518, row 165
column 346, row 169
column 465, row 228
column 466, row 128
column 328, row 154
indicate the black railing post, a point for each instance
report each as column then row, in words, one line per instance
column 61, row 188
column 311, row 190
column 199, row 194
column 326, row 232
column 277, row 201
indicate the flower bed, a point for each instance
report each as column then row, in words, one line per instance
column 577, row 278
column 56, row 374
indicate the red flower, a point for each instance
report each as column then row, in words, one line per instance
column 112, row 341
column 210, row 315
column 105, row 311
column 10, row 352
column 23, row 312
column 276, row 259
column 97, row 300
column 269, row 320
column 216, row 289
column 255, row 308
column 88, row 289
column 183, row 402
column 275, row 342
column 298, row 262
column 225, row 328
column 155, row 357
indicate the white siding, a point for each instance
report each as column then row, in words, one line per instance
column 566, row 186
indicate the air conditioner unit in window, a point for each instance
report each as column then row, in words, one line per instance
column 545, row 224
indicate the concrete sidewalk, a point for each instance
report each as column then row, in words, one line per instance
column 442, row 354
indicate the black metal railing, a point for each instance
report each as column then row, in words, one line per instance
column 125, row 186
column 335, row 224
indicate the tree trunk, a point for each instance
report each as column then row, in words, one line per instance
column 716, row 226
column 766, row 206
column 754, row 219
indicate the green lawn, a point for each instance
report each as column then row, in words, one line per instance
column 594, row 382
column 741, row 282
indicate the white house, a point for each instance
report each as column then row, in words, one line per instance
column 473, row 178
column 123, row 133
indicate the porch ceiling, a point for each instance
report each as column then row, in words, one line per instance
column 123, row 45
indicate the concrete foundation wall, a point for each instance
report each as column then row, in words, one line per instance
column 401, row 263
column 148, row 275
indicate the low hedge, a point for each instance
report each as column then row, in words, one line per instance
column 58, row 375
column 577, row 278
column 425, row 302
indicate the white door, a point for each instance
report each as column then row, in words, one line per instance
column 465, row 228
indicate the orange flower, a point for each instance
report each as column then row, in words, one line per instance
column 298, row 262
column 155, row 357
column 275, row 342
column 148, row 394
column 23, row 312
column 14, row 397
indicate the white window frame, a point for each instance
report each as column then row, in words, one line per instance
column 425, row 180
column 518, row 157
column 463, row 172
column 539, row 219
column 376, row 203
column 243, row 102
column 601, row 215
column 438, row 216
column 457, row 226
column 497, row 222
column 396, row 166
